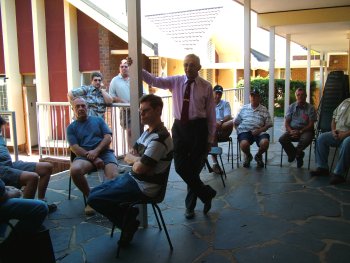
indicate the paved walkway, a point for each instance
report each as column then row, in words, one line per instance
column 277, row 214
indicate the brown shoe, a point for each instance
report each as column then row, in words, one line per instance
column 336, row 179
column 319, row 172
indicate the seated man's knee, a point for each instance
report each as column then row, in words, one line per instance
column 264, row 143
column 29, row 178
column 244, row 144
column 76, row 170
column 44, row 168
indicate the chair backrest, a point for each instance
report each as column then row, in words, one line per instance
column 160, row 196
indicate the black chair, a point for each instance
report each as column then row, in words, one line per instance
column 230, row 149
column 217, row 151
column 239, row 156
column 310, row 147
column 154, row 203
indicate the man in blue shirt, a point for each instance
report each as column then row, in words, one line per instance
column 89, row 138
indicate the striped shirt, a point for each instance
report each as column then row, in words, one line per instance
column 156, row 151
column 249, row 119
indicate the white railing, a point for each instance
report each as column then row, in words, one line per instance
column 53, row 119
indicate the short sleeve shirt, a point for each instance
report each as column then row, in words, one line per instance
column 94, row 99
column 87, row 134
column 120, row 87
column 222, row 110
column 300, row 116
column 249, row 119
column 341, row 115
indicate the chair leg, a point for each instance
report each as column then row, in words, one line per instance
column 156, row 215
column 335, row 153
column 164, row 226
column 222, row 172
column 112, row 231
column 310, row 151
column 265, row 159
column 69, row 187
column 281, row 156
column 238, row 154
column 231, row 143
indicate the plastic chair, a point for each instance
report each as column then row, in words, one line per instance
column 154, row 203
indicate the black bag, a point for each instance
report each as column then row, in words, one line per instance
column 36, row 248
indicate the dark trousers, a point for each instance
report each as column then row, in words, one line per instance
column 190, row 152
column 303, row 141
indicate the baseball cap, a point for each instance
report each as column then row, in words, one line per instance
column 2, row 121
column 218, row 88
column 255, row 92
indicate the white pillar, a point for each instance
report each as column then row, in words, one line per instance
column 14, row 79
column 308, row 72
column 40, row 51
column 272, row 78
column 287, row 76
column 321, row 74
column 134, row 42
column 247, row 46
column 72, row 53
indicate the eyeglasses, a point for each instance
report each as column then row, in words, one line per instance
column 123, row 66
column 141, row 111
column 95, row 80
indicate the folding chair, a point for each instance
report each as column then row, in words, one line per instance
column 239, row 157
column 217, row 151
column 310, row 147
column 230, row 147
column 154, row 203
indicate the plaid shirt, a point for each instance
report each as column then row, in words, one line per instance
column 94, row 99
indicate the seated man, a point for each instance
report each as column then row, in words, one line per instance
column 338, row 137
column 299, row 123
column 29, row 213
column 89, row 138
column 224, row 123
column 252, row 122
column 150, row 159
column 33, row 175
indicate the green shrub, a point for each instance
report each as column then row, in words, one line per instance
column 262, row 84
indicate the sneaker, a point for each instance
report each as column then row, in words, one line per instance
column 89, row 211
column 300, row 160
column 247, row 160
column 128, row 232
column 337, row 179
column 216, row 168
column 259, row 161
column 189, row 214
column 319, row 172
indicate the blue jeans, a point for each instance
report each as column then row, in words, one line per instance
column 29, row 213
column 323, row 143
column 107, row 197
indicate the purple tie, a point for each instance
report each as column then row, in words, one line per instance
column 186, row 103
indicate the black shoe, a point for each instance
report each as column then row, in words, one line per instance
column 189, row 214
column 291, row 158
column 259, row 161
column 128, row 233
column 52, row 207
column 207, row 204
column 300, row 160
column 319, row 172
column 337, row 179
column 247, row 160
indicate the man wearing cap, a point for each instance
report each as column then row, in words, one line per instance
column 224, row 123
column 252, row 123
column 299, row 123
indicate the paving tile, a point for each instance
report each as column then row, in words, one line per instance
column 214, row 257
column 278, row 188
column 346, row 212
column 75, row 256
column 236, row 229
column 61, row 238
column 303, row 240
column 339, row 253
column 301, row 205
column 86, row 231
column 244, row 198
column 274, row 253
column 342, row 195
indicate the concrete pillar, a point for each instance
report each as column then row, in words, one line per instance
column 308, row 73
column 272, row 78
column 40, row 51
column 72, row 52
column 321, row 74
column 287, row 76
column 247, row 47
column 14, row 79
